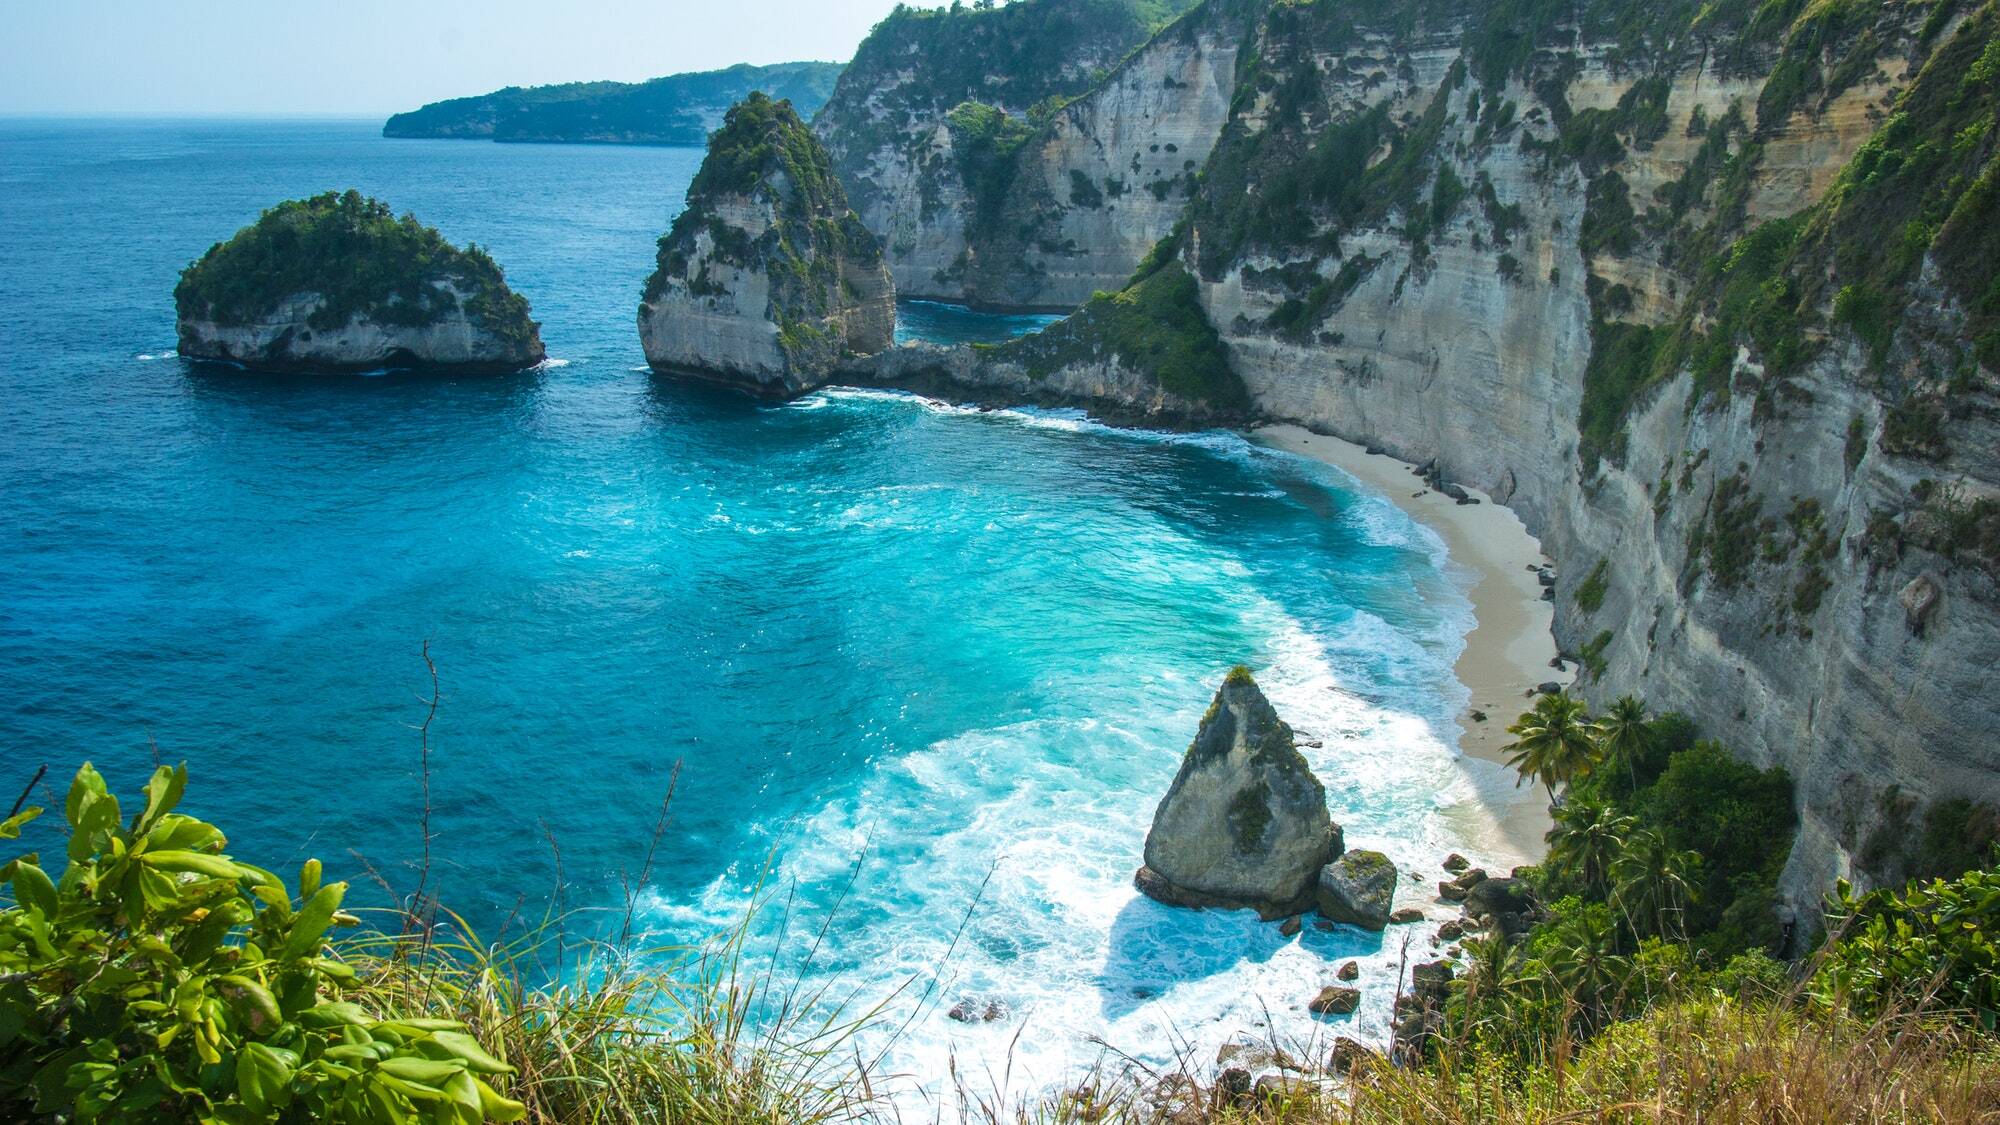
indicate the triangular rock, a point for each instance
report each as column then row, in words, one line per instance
column 1245, row 822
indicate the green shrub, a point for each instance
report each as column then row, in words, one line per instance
column 1937, row 942
column 1589, row 595
column 1156, row 326
column 158, row 979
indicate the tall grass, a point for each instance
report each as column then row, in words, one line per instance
column 602, row 1034
column 691, row 1035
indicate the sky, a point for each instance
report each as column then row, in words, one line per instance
column 372, row 57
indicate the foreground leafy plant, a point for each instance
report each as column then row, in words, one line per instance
column 158, row 979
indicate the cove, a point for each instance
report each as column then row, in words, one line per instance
column 926, row 670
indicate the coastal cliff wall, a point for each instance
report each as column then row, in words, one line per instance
column 1708, row 300
column 285, row 338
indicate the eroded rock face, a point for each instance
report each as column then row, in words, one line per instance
column 1245, row 822
column 767, row 281
column 1357, row 889
column 337, row 282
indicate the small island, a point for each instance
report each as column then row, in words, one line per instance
column 338, row 283
column 767, row 280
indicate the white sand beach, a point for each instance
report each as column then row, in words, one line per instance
column 1508, row 650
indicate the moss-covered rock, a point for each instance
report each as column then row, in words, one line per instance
column 1357, row 889
column 338, row 282
column 767, row 280
column 1245, row 822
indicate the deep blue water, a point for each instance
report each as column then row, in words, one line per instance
column 939, row 323
column 928, row 648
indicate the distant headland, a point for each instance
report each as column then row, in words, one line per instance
column 679, row 109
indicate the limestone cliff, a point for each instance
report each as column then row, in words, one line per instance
column 766, row 280
column 933, row 121
column 337, row 283
column 1707, row 294
column 1245, row 822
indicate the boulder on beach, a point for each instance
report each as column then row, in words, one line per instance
column 1357, row 889
column 1245, row 822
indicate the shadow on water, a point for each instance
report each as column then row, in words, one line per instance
column 232, row 382
column 1154, row 948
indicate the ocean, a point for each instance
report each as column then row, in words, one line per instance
column 922, row 671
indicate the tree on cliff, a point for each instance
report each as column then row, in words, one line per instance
column 1555, row 743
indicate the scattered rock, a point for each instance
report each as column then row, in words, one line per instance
column 1452, row 930
column 1232, row 1086
column 1373, row 450
column 1545, row 578
column 1459, row 887
column 1357, row 889
column 1245, row 822
column 1323, row 926
column 1279, row 1089
column 1349, row 971
column 1454, row 491
column 1455, row 863
column 1350, row 1055
column 1556, row 662
column 1254, row 1056
column 1506, row 904
column 973, row 1009
column 1431, row 980
column 1406, row 915
column 1335, row 1000
column 1548, row 687
column 1478, row 716
column 1291, row 926
column 1548, row 593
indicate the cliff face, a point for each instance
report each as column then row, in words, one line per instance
column 1553, row 280
column 767, row 279
column 930, row 120
column 335, row 283
column 1707, row 295
column 285, row 340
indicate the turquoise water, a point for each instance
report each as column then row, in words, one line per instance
column 936, row 322
column 934, row 667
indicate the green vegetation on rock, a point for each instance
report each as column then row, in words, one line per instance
column 1156, row 327
column 360, row 260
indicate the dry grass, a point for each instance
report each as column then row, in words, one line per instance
column 691, row 1038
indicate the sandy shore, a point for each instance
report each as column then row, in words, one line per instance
column 1507, row 652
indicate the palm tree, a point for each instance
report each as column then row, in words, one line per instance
column 1583, row 958
column 1555, row 742
column 1625, row 736
column 1586, row 844
column 1655, row 882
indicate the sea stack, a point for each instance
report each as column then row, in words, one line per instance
column 1245, row 822
column 767, row 280
column 338, row 283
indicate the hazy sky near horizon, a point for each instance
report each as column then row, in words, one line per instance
column 373, row 57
